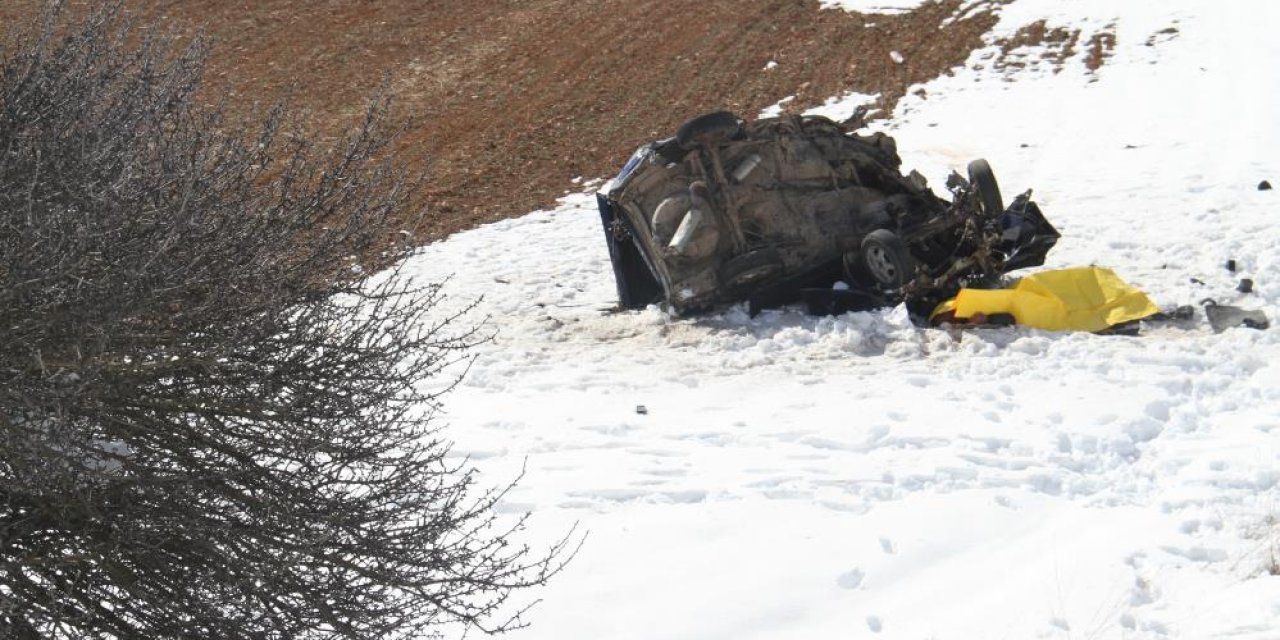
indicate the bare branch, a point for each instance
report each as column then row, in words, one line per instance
column 210, row 422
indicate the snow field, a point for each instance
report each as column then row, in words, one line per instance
column 858, row 477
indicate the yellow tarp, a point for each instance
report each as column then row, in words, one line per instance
column 1079, row 299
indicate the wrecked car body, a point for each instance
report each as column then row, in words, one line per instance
column 780, row 209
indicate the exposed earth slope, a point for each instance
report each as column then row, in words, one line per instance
column 512, row 99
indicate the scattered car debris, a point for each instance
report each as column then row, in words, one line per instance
column 779, row 209
column 1245, row 286
column 1180, row 313
column 1222, row 317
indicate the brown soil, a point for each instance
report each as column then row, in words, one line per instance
column 1164, row 35
column 1036, row 43
column 511, row 99
column 1101, row 46
column 1055, row 45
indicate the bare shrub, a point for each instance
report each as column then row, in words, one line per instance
column 211, row 424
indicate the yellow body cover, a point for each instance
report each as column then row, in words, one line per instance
column 1078, row 299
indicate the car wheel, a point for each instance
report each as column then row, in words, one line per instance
column 886, row 259
column 707, row 129
column 984, row 184
column 750, row 268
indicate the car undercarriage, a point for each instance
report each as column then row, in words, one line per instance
column 785, row 209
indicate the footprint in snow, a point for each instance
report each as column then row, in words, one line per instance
column 1197, row 553
column 851, row 579
column 887, row 546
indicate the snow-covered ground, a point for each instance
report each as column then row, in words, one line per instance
column 858, row 477
column 872, row 6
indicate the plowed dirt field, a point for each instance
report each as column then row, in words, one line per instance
column 509, row 100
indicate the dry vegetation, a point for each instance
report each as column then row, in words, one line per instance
column 211, row 426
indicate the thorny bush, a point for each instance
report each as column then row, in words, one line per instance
column 212, row 425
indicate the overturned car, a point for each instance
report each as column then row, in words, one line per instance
column 780, row 209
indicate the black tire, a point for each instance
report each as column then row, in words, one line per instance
column 750, row 269
column 852, row 269
column 670, row 150
column 885, row 259
column 708, row 129
column 984, row 184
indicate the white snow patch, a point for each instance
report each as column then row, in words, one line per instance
column 872, row 6
column 841, row 107
column 774, row 110
column 799, row 477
